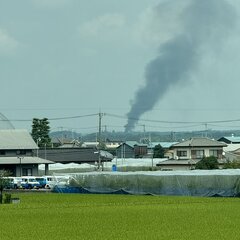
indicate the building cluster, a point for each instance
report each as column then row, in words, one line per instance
column 20, row 155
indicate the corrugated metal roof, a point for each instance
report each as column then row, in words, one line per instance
column 200, row 142
column 24, row 160
column 163, row 144
column 232, row 147
column 16, row 139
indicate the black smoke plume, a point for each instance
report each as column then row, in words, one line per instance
column 203, row 23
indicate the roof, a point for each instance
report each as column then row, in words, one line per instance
column 90, row 144
column 16, row 139
column 131, row 143
column 199, row 142
column 163, row 144
column 178, row 162
column 231, row 147
column 231, row 139
column 24, row 160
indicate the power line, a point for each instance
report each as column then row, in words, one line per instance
column 172, row 122
column 50, row 119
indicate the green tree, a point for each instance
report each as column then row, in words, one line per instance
column 40, row 132
column 158, row 151
column 207, row 163
column 4, row 182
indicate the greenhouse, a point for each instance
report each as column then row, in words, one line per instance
column 224, row 183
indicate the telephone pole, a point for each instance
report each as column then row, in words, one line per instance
column 100, row 115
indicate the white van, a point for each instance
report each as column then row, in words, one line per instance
column 29, row 182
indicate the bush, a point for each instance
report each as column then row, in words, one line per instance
column 7, row 198
column 207, row 163
column 235, row 164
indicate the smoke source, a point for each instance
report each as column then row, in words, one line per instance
column 202, row 23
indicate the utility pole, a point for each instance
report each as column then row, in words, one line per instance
column 100, row 115
column 206, row 129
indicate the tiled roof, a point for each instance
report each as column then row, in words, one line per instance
column 199, row 142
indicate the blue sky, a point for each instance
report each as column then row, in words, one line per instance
column 61, row 58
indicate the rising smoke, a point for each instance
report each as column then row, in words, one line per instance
column 202, row 23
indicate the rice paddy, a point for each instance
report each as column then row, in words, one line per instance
column 53, row 216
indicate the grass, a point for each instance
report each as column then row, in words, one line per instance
column 75, row 216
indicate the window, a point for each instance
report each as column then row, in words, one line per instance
column 21, row 152
column 2, row 152
column 181, row 153
column 27, row 172
column 213, row 152
column 199, row 153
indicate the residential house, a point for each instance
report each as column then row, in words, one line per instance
column 187, row 153
column 126, row 150
column 71, row 144
column 230, row 140
column 133, row 149
column 165, row 145
column 232, row 150
column 17, row 153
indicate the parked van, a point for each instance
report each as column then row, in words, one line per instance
column 42, row 181
column 29, row 182
column 17, row 182
column 50, row 181
column 13, row 182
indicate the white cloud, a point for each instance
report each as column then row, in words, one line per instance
column 7, row 43
column 102, row 25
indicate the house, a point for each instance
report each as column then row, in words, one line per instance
column 71, row 144
column 17, row 153
column 65, row 142
column 75, row 155
column 112, row 144
column 90, row 144
column 230, row 140
column 131, row 149
column 168, row 153
column 187, row 153
column 197, row 148
column 232, row 152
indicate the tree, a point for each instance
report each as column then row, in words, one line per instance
column 40, row 132
column 158, row 151
column 4, row 182
column 207, row 163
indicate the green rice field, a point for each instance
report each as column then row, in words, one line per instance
column 53, row 216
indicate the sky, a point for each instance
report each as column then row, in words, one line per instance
column 74, row 58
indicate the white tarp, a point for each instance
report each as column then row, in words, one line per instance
column 187, row 183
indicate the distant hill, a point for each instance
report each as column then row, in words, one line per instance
column 137, row 136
